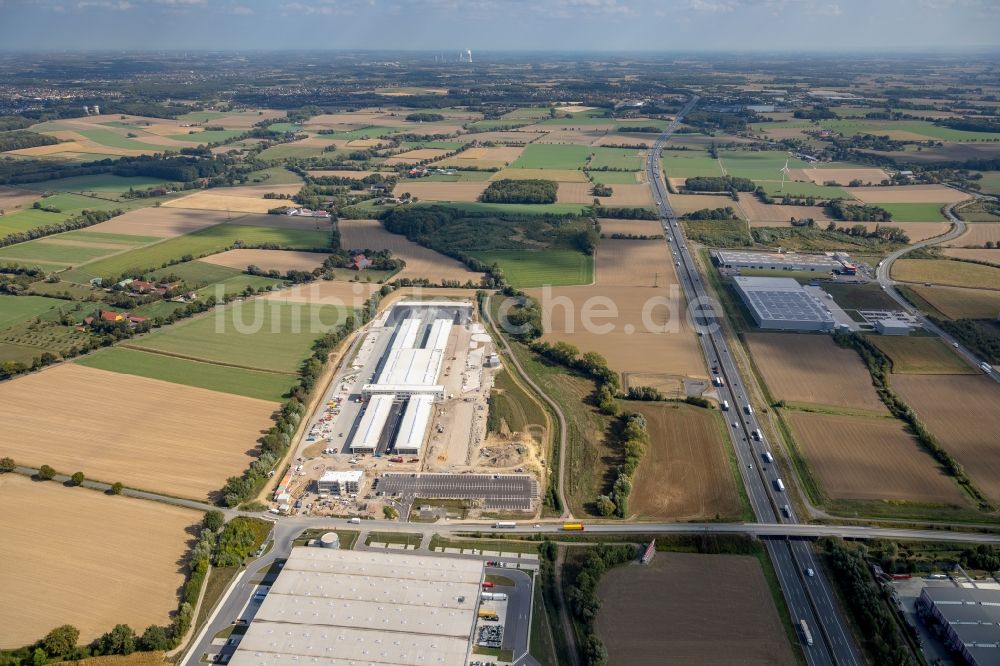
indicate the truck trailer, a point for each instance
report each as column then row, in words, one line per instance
column 494, row 596
column 780, row 485
column 504, row 524
column 572, row 527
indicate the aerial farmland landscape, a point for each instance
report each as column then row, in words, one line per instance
column 566, row 333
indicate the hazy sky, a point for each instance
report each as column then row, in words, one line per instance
column 579, row 25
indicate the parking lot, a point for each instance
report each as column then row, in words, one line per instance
column 510, row 492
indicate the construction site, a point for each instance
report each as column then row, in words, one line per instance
column 410, row 403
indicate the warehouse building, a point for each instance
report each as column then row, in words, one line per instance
column 970, row 618
column 835, row 262
column 413, row 427
column 781, row 304
column 331, row 606
column 893, row 327
column 372, row 423
column 339, row 482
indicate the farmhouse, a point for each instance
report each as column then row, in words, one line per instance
column 360, row 262
column 971, row 620
column 344, row 606
column 306, row 212
column 782, row 304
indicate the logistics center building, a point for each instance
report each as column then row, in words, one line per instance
column 971, row 619
column 406, row 386
column 331, row 606
column 782, row 304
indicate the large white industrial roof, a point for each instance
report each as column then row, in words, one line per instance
column 341, row 476
column 372, row 422
column 781, row 299
column 337, row 607
column 411, row 366
column 406, row 334
column 416, row 418
column 438, row 339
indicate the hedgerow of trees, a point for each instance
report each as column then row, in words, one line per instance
column 528, row 191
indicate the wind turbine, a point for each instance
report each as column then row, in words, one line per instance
column 784, row 172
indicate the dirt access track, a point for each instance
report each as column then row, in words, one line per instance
column 706, row 609
column 149, row 434
column 80, row 557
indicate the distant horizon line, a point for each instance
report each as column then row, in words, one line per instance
column 944, row 50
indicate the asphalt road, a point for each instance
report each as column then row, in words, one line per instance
column 808, row 597
column 884, row 269
column 517, row 622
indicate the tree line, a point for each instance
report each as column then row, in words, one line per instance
column 529, row 191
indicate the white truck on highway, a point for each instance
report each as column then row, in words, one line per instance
column 756, row 434
column 780, row 485
column 354, row 521
column 806, row 634
column 717, row 380
column 725, row 405
column 747, row 408
column 768, row 457
column 986, row 367
column 504, row 524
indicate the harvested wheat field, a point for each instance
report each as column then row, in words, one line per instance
column 281, row 221
column 420, row 261
column 664, row 348
column 146, row 433
column 707, row 609
column 907, row 194
column 629, row 195
column 411, row 156
column 334, row 292
column 496, row 157
column 963, row 412
column 813, row 369
column 990, row 256
column 635, row 227
column 761, row 214
column 685, row 474
column 365, row 143
column 977, row 235
column 585, row 136
column 959, row 303
column 209, row 200
column 870, row 458
column 13, row 198
column 514, row 137
column 441, row 191
column 949, row 272
column 160, row 221
column 575, row 193
column 840, row 176
column 560, row 175
column 268, row 260
column 258, row 191
column 66, row 147
column 618, row 140
column 80, row 557
column 632, row 263
column 688, row 203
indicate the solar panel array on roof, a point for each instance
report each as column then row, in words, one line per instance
column 782, row 303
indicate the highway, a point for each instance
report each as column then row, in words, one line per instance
column 803, row 583
column 889, row 285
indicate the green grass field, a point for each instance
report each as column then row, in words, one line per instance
column 205, row 241
column 103, row 182
column 689, row 164
column 274, row 176
column 631, row 159
column 196, row 273
column 923, row 355
column 947, row 272
column 440, row 145
column 238, row 381
column 915, row 212
column 990, row 182
column 211, row 136
column 67, row 249
column 237, row 284
column 254, row 334
column 531, row 209
column 373, row 132
column 115, row 140
column 552, row 156
column 284, row 151
column 14, row 309
column 613, row 177
column 528, row 113
column 880, row 127
column 202, row 116
column 25, row 220
column 526, row 268
column 499, row 124
column 801, row 189
column 762, row 165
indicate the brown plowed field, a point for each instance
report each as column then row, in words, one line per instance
column 160, row 221
column 631, row 263
column 79, row 557
column 210, row 200
column 575, row 193
column 629, row 195
column 758, row 212
column 637, row 227
column 991, row 256
column 811, row 368
column 978, row 234
column 869, row 458
column 706, row 609
column 278, row 260
column 420, row 261
column 688, row 203
column 907, row 194
column 441, row 191
column 146, row 433
column 335, row 292
column 963, row 412
column 959, row 303
column 685, row 474
column 840, row 176
column 12, row 198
